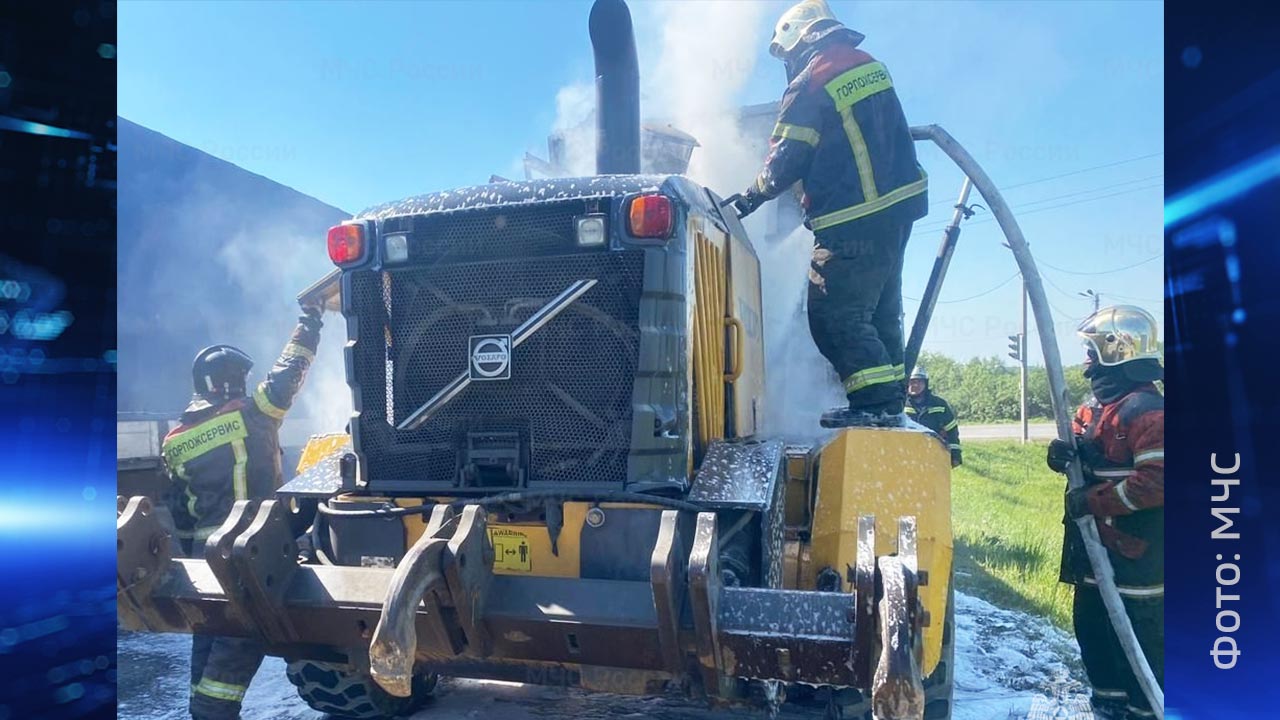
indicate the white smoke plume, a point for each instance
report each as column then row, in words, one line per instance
column 575, row 124
column 708, row 52
column 700, row 56
column 269, row 269
column 799, row 382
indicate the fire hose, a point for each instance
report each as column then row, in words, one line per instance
column 1017, row 243
column 1101, row 564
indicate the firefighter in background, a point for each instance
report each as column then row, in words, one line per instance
column 933, row 412
column 1121, row 451
column 842, row 133
column 227, row 448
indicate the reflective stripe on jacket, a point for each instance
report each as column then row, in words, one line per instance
column 221, row 454
column 936, row 414
column 1122, row 448
column 842, row 132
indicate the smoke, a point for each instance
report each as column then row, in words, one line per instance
column 268, row 268
column 699, row 65
column 708, row 53
column 575, row 126
column 799, row 382
column 698, row 83
column 211, row 253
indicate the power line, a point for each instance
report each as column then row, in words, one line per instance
column 988, row 291
column 1078, row 193
column 1102, row 272
column 1137, row 299
column 1023, row 213
column 1057, row 287
column 1067, row 174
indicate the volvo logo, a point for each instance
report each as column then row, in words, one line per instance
column 490, row 357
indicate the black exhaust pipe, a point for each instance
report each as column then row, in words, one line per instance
column 613, row 42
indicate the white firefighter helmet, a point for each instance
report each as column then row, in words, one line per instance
column 797, row 22
column 919, row 373
column 1120, row 334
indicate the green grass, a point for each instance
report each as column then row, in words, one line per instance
column 1007, row 518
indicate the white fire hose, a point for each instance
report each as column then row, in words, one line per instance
column 1061, row 409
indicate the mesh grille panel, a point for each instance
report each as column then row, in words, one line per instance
column 570, row 392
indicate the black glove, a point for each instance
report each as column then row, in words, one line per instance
column 1091, row 454
column 955, row 458
column 748, row 202
column 1059, row 454
column 310, row 316
column 1077, row 502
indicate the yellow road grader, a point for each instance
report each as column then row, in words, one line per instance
column 555, row 472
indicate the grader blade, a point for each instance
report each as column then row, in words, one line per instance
column 419, row 580
column 897, row 692
column 444, row 610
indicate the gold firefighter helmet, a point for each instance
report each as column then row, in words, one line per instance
column 1120, row 334
column 796, row 23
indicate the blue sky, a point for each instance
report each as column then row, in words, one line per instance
column 358, row 103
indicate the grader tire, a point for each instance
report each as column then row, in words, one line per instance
column 347, row 695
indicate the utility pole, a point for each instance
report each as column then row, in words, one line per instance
column 1022, row 385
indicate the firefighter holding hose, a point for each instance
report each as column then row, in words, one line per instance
column 227, row 448
column 842, row 133
column 1120, row 440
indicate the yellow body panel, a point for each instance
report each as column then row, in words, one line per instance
column 710, row 291
column 320, row 447
column 744, row 306
column 526, row 546
column 889, row 474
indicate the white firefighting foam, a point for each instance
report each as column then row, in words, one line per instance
column 1009, row 665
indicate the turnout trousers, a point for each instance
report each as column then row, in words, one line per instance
column 855, row 309
column 221, row 670
column 1116, row 692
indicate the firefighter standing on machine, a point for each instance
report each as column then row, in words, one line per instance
column 1121, row 451
column 933, row 412
column 842, row 133
column 227, row 448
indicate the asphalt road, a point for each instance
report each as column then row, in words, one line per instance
column 1042, row 432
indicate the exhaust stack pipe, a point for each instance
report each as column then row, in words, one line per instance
column 613, row 42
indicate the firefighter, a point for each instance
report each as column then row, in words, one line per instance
column 227, row 448
column 841, row 132
column 1121, row 452
column 933, row 412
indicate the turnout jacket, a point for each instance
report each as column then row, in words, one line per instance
column 842, row 133
column 223, row 453
column 936, row 414
column 1121, row 451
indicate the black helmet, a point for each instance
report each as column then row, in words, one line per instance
column 219, row 371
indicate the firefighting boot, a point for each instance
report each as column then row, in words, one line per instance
column 857, row 417
column 1108, row 708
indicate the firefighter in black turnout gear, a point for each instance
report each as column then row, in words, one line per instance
column 841, row 132
column 933, row 412
column 1120, row 440
column 227, row 448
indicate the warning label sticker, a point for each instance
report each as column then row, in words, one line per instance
column 510, row 550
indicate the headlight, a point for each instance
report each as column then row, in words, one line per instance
column 591, row 231
column 396, row 248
